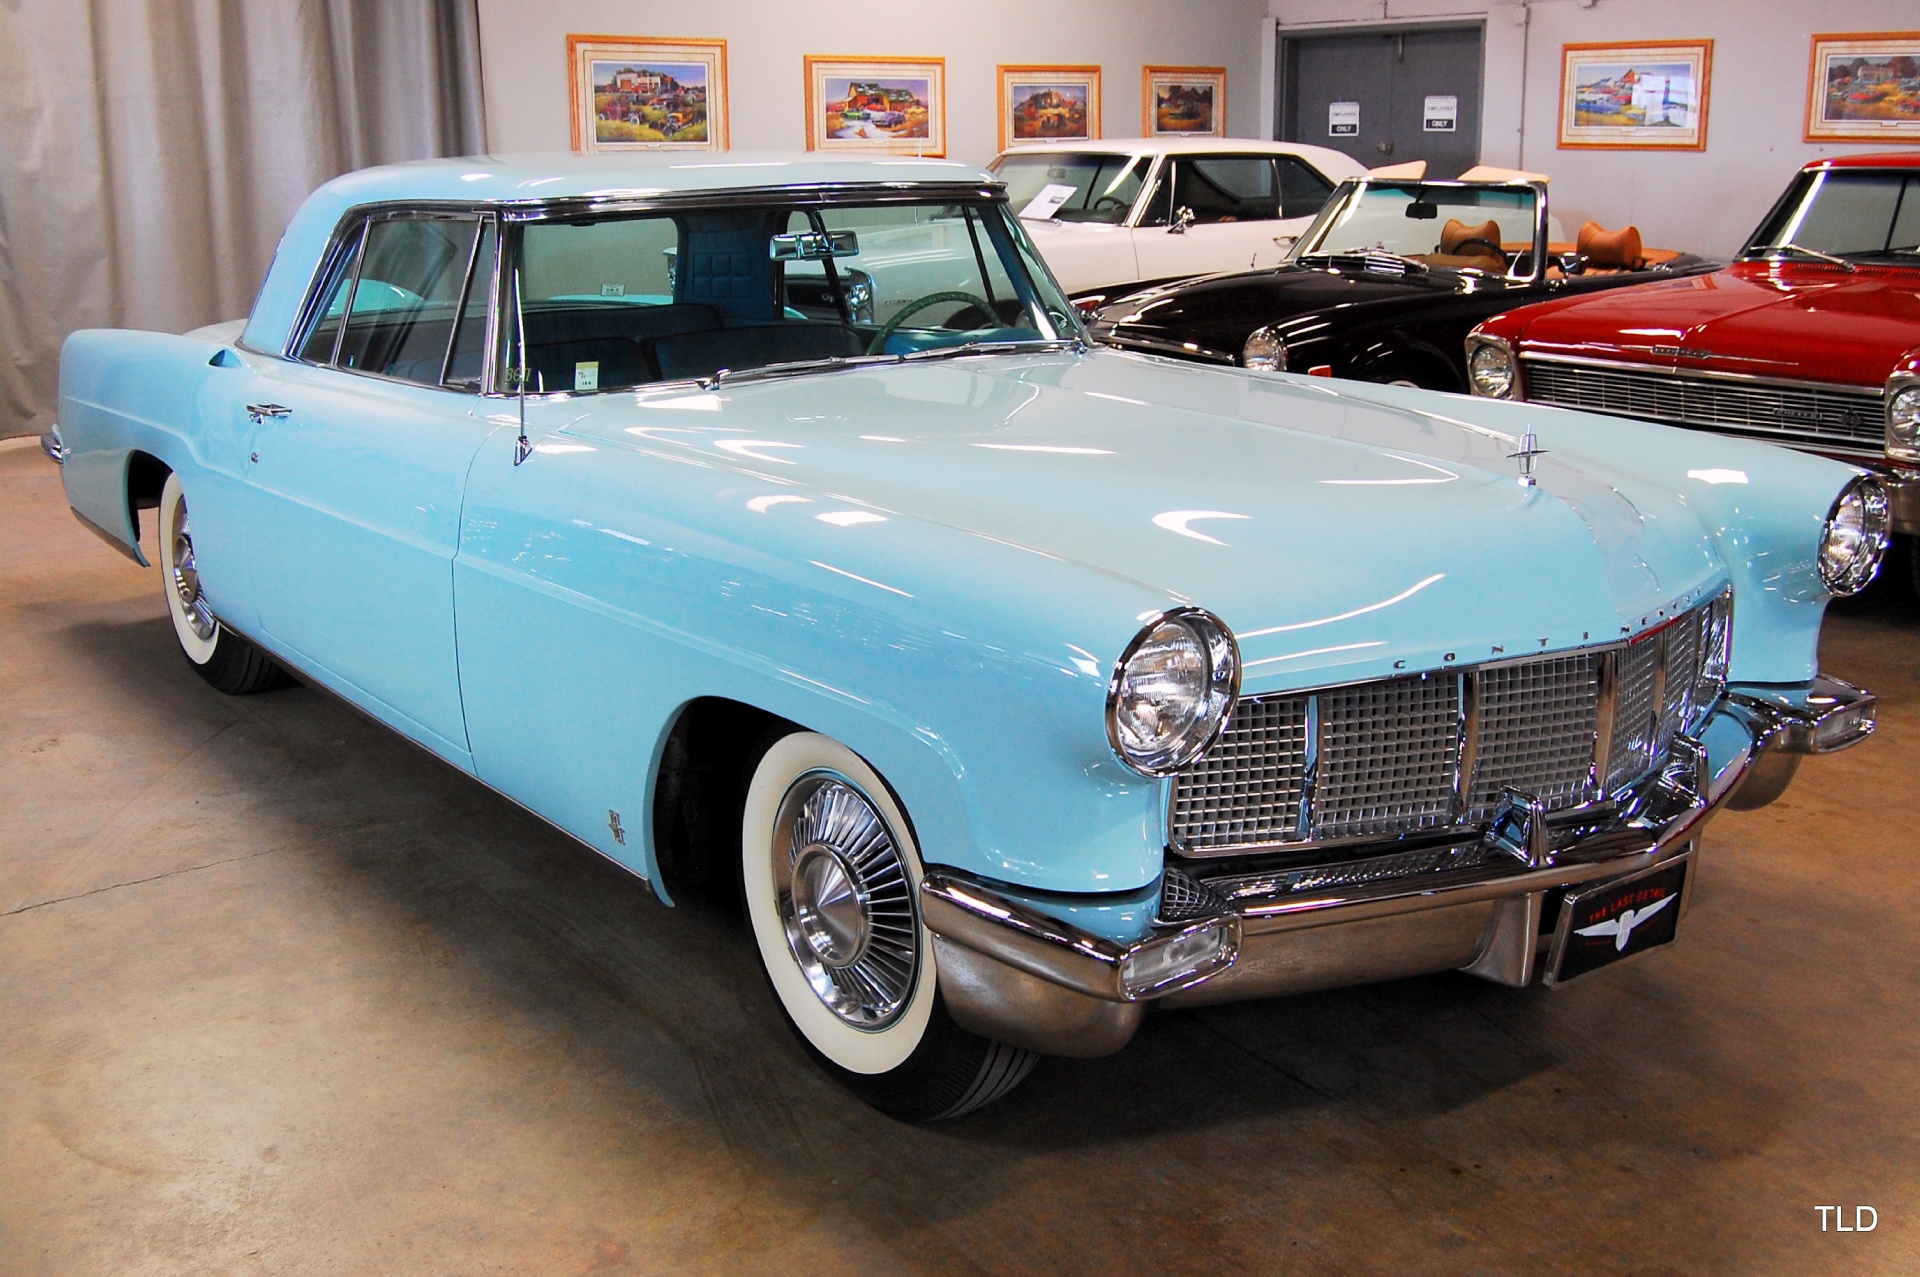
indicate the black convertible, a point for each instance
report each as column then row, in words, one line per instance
column 1386, row 284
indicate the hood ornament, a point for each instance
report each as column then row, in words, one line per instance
column 1529, row 449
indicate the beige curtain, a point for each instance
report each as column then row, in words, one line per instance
column 151, row 151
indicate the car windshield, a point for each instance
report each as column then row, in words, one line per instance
column 1084, row 187
column 609, row 302
column 1845, row 213
column 1467, row 228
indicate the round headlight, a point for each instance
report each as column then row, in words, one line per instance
column 1264, row 351
column 1903, row 419
column 1490, row 367
column 1855, row 539
column 1172, row 690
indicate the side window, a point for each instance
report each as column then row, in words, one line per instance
column 1227, row 188
column 325, row 333
column 1159, row 209
column 468, row 361
column 1302, row 189
column 401, row 312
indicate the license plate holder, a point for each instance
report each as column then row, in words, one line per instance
column 1646, row 905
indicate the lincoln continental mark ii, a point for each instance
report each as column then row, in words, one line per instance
column 1017, row 684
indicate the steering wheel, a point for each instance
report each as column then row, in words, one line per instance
column 879, row 342
column 1109, row 201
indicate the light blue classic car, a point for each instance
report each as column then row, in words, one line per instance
column 1019, row 684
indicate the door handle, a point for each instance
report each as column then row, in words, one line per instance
column 261, row 411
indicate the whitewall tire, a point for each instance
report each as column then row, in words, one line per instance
column 227, row 661
column 831, row 876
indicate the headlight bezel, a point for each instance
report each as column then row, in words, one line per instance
column 1483, row 343
column 1222, row 690
column 1273, row 353
column 1844, row 579
column 1903, row 386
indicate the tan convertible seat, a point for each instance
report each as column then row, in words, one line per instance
column 1608, row 251
column 1464, row 246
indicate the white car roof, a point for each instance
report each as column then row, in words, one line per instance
column 1329, row 161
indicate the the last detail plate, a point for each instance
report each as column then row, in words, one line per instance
column 1619, row 919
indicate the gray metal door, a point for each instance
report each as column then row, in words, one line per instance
column 1400, row 85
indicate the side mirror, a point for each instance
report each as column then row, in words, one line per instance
column 1182, row 218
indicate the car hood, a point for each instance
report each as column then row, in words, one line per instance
column 1328, row 530
column 1219, row 311
column 1795, row 320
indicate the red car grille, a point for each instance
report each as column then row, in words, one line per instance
column 1811, row 416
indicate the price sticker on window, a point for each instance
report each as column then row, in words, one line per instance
column 1044, row 205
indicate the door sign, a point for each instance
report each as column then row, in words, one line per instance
column 1441, row 112
column 1343, row 119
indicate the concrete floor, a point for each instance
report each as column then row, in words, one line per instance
column 281, row 994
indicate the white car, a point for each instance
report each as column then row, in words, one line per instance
column 1136, row 210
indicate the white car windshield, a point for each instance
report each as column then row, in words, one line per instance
column 1090, row 187
column 606, row 302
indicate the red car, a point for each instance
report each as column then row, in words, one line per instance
column 1810, row 338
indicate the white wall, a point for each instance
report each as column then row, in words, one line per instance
column 523, row 55
column 1707, row 201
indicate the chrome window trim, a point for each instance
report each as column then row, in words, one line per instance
column 1601, row 798
column 813, row 195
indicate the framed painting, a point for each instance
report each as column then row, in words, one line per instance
column 887, row 106
column 647, row 93
column 1635, row 97
column 1864, row 87
column 1048, row 104
column 1183, row 101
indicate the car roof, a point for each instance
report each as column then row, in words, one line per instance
column 1184, row 145
column 1877, row 159
column 547, row 175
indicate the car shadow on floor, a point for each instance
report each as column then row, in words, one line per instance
column 667, row 1007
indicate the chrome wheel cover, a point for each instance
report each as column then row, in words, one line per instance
column 186, row 579
column 845, row 901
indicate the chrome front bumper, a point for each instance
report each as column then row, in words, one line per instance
column 1013, row 970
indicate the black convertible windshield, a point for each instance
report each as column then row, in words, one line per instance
column 1845, row 213
column 609, row 302
column 1466, row 227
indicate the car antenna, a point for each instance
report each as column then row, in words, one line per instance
column 522, row 448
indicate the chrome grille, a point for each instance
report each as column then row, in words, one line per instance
column 1537, row 723
column 1388, row 755
column 1796, row 413
column 1436, row 751
column 1636, row 671
column 1247, row 789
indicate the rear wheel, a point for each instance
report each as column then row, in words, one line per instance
column 832, row 879
column 227, row 661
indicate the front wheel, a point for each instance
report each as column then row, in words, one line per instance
column 228, row 662
column 1398, row 370
column 832, row 880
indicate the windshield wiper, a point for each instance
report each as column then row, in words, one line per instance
column 995, row 348
column 1791, row 247
column 793, row 368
